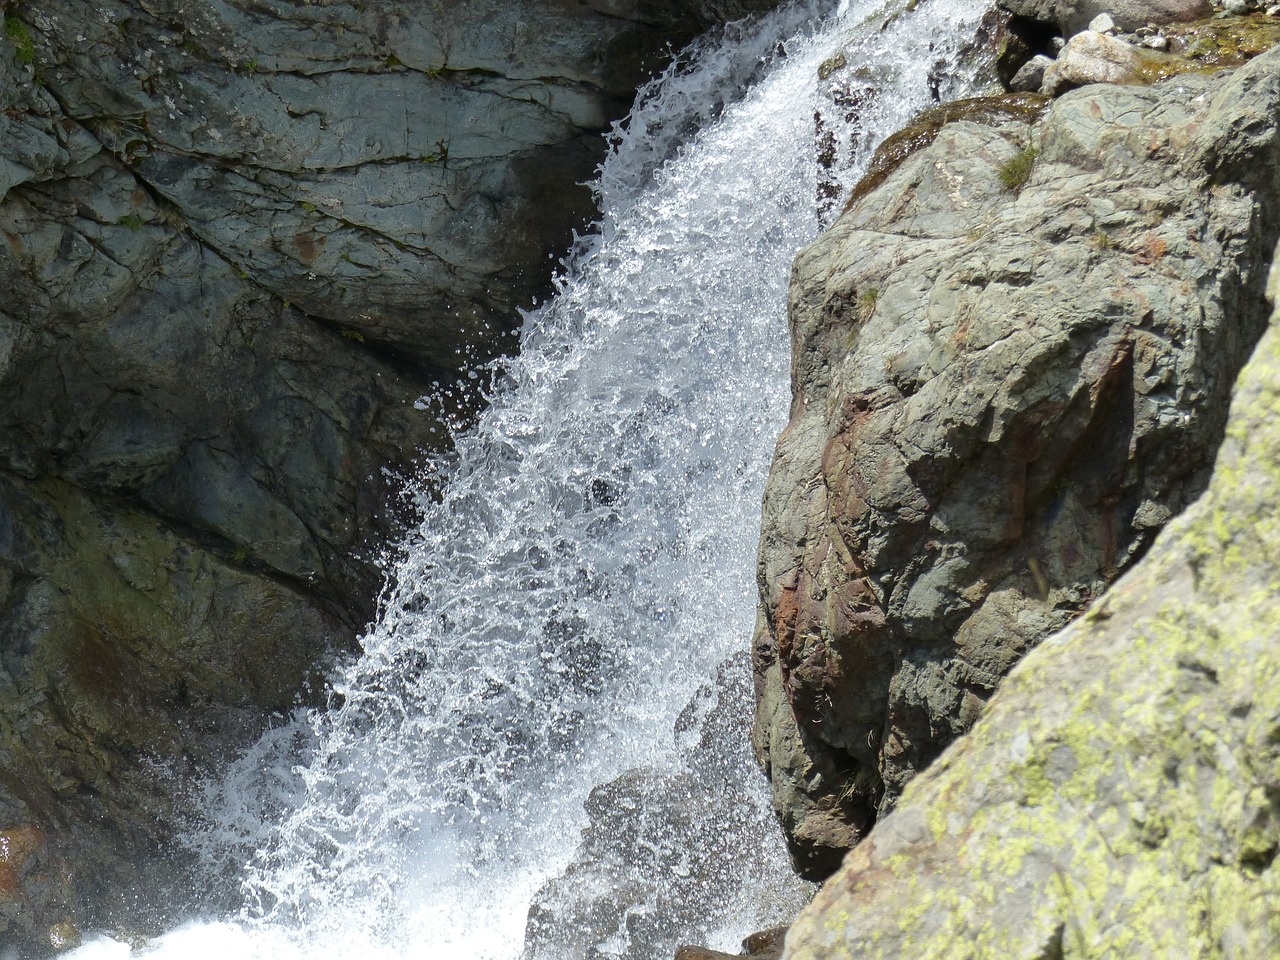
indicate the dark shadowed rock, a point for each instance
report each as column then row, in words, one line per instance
column 662, row 856
column 238, row 242
column 1012, row 363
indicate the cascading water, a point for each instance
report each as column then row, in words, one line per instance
column 572, row 615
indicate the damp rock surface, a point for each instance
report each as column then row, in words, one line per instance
column 238, row 243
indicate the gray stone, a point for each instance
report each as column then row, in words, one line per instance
column 1118, row 798
column 239, row 241
column 394, row 169
column 1012, row 360
column 1091, row 57
column 1102, row 23
column 1031, row 75
column 656, row 863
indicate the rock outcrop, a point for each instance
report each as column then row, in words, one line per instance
column 239, row 241
column 1072, row 16
column 1119, row 798
column 1012, row 365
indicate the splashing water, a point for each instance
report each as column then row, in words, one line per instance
column 558, row 621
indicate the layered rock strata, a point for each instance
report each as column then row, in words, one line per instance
column 1119, row 797
column 239, row 242
column 1012, row 365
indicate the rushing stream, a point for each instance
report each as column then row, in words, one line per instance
column 560, row 659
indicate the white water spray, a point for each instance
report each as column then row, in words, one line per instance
column 588, row 569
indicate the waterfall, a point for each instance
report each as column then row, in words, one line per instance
column 560, row 656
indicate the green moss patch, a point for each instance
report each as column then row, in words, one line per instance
column 1225, row 42
column 20, row 36
column 924, row 129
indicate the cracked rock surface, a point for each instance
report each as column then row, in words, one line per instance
column 1119, row 798
column 238, row 242
column 1012, row 365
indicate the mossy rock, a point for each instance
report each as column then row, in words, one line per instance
column 923, row 130
column 1226, row 41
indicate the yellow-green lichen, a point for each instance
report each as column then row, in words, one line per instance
column 1225, row 41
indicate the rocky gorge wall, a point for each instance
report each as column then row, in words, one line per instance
column 240, row 242
column 1013, row 358
column 1118, row 799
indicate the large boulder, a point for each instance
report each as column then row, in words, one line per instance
column 1012, row 365
column 239, row 242
column 1119, row 798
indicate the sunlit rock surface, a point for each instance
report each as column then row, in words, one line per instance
column 1012, row 365
column 1119, row 797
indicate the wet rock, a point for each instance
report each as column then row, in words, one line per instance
column 656, row 863
column 1223, row 41
column 765, row 945
column 1001, row 392
column 395, row 169
column 1092, row 57
column 923, row 130
column 1119, row 797
column 702, row 953
column 851, row 88
column 239, row 243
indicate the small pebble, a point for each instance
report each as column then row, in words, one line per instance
column 1237, row 8
column 1144, row 32
column 1156, row 43
column 1056, row 44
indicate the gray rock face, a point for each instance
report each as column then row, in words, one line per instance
column 405, row 171
column 239, row 242
column 1010, row 369
column 1119, row 798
